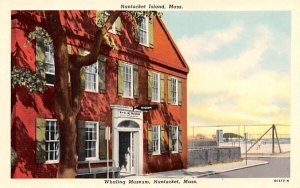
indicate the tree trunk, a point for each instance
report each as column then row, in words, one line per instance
column 68, row 157
column 67, row 105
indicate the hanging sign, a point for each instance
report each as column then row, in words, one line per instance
column 145, row 107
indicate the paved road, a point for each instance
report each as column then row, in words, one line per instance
column 277, row 168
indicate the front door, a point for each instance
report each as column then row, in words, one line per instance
column 127, row 152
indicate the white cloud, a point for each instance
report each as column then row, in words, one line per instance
column 240, row 90
column 195, row 46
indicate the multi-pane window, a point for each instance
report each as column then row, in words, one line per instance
column 91, row 141
column 52, row 141
column 156, row 139
column 49, row 64
column 174, row 90
column 174, row 138
column 128, row 81
column 144, row 31
column 155, row 87
column 92, row 77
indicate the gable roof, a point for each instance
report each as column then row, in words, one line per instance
column 173, row 43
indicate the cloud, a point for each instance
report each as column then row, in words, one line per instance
column 238, row 89
column 208, row 42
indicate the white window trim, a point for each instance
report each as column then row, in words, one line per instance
column 131, row 77
column 177, row 140
column 97, row 80
column 158, row 152
column 97, row 142
column 177, row 90
column 147, row 32
column 158, row 87
column 53, row 161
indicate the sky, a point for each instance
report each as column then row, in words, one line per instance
column 239, row 65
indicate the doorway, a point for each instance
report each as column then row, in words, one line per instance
column 128, row 152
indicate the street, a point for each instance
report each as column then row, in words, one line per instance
column 277, row 168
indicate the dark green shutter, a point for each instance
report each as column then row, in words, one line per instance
column 162, row 88
column 81, row 141
column 118, row 25
column 169, row 90
column 179, row 138
column 170, row 138
column 137, row 32
column 150, row 146
column 135, row 81
column 40, row 57
column 102, row 142
column 150, row 31
column 179, row 91
column 162, row 139
column 150, row 84
column 120, row 78
column 101, row 73
column 100, row 18
column 40, row 134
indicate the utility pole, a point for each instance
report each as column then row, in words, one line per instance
column 273, row 139
column 246, row 136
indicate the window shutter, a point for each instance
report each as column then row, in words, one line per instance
column 102, row 142
column 82, row 77
column 101, row 73
column 169, row 90
column 162, row 88
column 170, row 138
column 120, row 78
column 118, row 25
column 81, row 141
column 150, row 84
column 150, row 31
column 179, row 138
column 40, row 134
column 137, row 31
column 40, row 57
column 135, row 81
column 179, row 91
column 162, row 139
column 150, row 146
column 100, row 18
column 69, row 47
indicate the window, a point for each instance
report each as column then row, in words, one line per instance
column 91, row 141
column 92, row 77
column 49, row 64
column 144, row 31
column 128, row 81
column 156, row 87
column 156, row 139
column 174, row 139
column 174, row 91
column 52, row 141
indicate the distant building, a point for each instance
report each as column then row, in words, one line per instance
column 144, row 69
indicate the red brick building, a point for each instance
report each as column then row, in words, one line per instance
column 132, row 70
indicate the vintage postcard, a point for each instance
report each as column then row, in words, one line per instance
column 151, row 93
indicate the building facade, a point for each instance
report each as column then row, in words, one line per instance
column 140, row 66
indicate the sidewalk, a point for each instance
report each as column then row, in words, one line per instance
column 201, row 171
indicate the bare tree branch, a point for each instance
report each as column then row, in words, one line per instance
column 80, row 61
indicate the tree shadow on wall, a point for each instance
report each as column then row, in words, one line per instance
column 26, row 165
